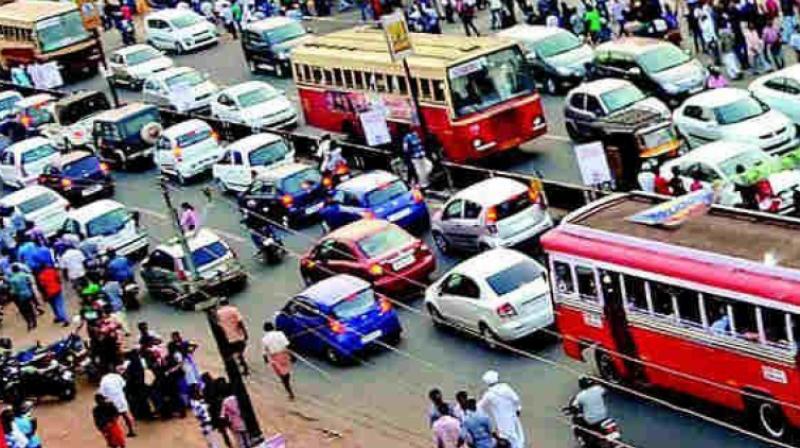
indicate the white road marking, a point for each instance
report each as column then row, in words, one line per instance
column 151, row 213
column 556, row 137
column 228, row 235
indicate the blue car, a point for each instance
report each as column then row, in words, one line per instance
column 338, row 318
column 377, row 194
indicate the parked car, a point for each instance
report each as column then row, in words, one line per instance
column 267, row 43
column 655, row 66
column 377, row 194
column 35, row 110
column 734, row 114
column 714, row 165
column 559, row 57
column 183, row 89
column 179, row 30
column 42, row 206
column 79, row 176
column 165, row 271
column 255, row 104
column 250, row 157
column 501, row 294
column 375, row 250
column 127, row 135
column 496, row 212
column 110, row 225
column 587, row 104
column 8, row 99
column 23, row 162
column 780, row 90
column 130, row 66
column 71, row 127
column 187, row 150
column 290, row 194
column 338, row 318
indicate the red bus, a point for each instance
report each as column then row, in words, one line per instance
column 703, row 309
column 476, row 94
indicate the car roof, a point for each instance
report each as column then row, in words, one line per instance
column 791, row 71
column 280, row 172
column 247, row 86
column 170, row 72
column 94, row 209
column 601, row 86
column 332, row 290
column 28, row 143
column 715, row 152
column 359, row 229
column 9, row 93
column 631, row 45
column 254, row 141
column 492, row 191
column 176, row 130
column 26, row 193
column 717, row 97
column 490, row 262
column 367, row 182
column 124, row 51
column 197, row 239
column 270, row 23
column 69, row 157
column 531, row 33
column 122, row 112
column 170, row 13
column 34, row 100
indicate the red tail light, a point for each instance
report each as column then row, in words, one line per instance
column 342, row 169
column 42, row 179
column 327, row 182
column 385, row 305
column 287, row 200
column 66, row 183
column 506, row 310
column 336, row 326
column 215, row 135
column 417, row 195
column 376, row 270
column 26, row 120
column 104, row 168
column 181, row 275
column 491, row 215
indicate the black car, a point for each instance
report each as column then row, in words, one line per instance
column 267, row 43
column 79, row 176
column 127, row 134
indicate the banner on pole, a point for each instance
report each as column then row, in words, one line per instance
column 398, row 38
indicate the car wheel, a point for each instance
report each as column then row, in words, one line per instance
column 68, row 393
column 286, row 221
column 222, row 187
column 483, row 247
column 550, row 86
column 179, row 48
column 333, row 356
column 770, row 419
column 573, row 133
column 280, row 71
column 441, row 242
column 252, row 66
column 436, row 317
column 394, row 338
column 180, row 178
column 489, row 337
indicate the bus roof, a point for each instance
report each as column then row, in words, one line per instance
column 30, row 11
column 364, row 48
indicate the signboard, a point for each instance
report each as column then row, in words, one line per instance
column 395, row 29
column 376, row 130
column 89, row 13
column 593, row 164
column 676, row 211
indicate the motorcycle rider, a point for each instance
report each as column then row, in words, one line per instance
column 261, row 230
column 119, row 268
column 591, row 403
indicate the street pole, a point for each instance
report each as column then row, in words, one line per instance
column 231, row 368
column 105, row 71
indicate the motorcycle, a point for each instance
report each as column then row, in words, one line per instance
column 73, row 352
column 269, row 246
column 602, row 435
column 41, row 377
column 130, row 295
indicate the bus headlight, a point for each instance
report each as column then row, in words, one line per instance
column 538, row 122
column 477, row 143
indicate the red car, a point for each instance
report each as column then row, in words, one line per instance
column 376, row 250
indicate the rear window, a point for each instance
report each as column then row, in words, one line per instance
column 386, row 192
column 193, row 137
column 513, row 278
column 269, row 154
column 88, row 164
column 389, row 239
column 109, row 223
column 512, row 206
column 355, row 305
column 209, row 253
column 302, row 180
column 8, row 102
column 36, row 202
column 38, row 153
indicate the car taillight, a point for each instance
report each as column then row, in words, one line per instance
column 327, row 182
column 336, row 326
column 42, row 179
column 215, row 135
column 181, row 274
column 287, row 200
column 384, row 304
column 177, row 153
column 26, row 120
column 506, row 310
column 417, row 195
column 104, row 168
column 342, row 169
column 376, row 270
column 367, row 215
column 491, row 215
column 66, row 183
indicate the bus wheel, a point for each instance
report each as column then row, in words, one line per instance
column 606, row 367
column 769, row 419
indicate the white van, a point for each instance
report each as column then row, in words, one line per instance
column 187, row 149
column 248, row 157
column 42, row 206
column 179, row 30
column 109, row 224
column 23, row 162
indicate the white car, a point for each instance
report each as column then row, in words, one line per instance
column 255, row 104
column 23, row 162
column 35, row 110
column 131, row 65
column 781, row 91
column 181, row 88
column 179, row 30
column 187, row 149
column 109, row 224
column 8, row 98
column 716, row 164
column 501, row 294
column 39, row 205
column 734, row 114
column 250, row 157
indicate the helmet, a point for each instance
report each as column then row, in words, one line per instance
column 585, row 382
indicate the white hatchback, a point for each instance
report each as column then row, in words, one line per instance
column 250, row 157
column 23, row 162
column 109, row 224
column 501, row 294
column 187, row 149
column 179, row 30
column 255, row 104
column 39, row 205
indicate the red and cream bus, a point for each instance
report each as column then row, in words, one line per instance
column 476, row 94
column 709, row 308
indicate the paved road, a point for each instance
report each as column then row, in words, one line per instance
column 391, row 386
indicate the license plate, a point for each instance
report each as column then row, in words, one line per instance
column 314, row 209
column 92, row 190
column 400, row 215
column 403, row 262
column 371, row 336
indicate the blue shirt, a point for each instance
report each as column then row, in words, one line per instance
column 25, row 425
column 477, row 430
column 120, row 269
column 27, row 253
column 113, row 293
column 44, row 258
column 412, row 146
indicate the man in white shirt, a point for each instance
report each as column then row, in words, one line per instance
column 72, row 262
column 278, row 356
column 502, row 404
column 112, row 386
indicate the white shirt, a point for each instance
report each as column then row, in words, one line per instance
column 112, row 386
column 72, row 261
column 502, row 404
column 274, row 342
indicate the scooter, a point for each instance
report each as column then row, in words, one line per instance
column 603, row 435
column 269, row 246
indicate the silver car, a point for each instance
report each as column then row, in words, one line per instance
column 181, row 88
column 496, row 212
column 131, row 65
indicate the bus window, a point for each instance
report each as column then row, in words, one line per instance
column 348, row 78
column 359, row 80
column 317, row 75
column 379, row 82
column 425, row 92
column 663, row 299
column 327, row 76
column 775, row 327
column 564, row 284
column 636, row 294
column 299, row 71
column 337, row 77
column 717, row 314
column 688, row 307
column 307, row 73
column 587, row 287
column 438, row 90
column 744, row 321
column 402, row 85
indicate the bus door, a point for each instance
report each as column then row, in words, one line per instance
column 614, row 310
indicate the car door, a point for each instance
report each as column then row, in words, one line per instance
column 697, row 125
column 163, row 154
column 346, row 208
column 291, row 320
column 7, row 170
column 311, row 326
column 456, row 290
column 225, row 108
column 116, row 65
column 452, row 223
column 473, row 225
column 152, row 93
column 576, row 115
column 339, row 258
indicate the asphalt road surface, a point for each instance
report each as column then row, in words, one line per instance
column 390, row 387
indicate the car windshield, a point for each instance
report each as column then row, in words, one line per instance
column 663, row 57
column 748, row 159
column 658, row 137
column 489, row 80
column 37, row 202
column 190, row 78
column 386, row 192
column 302, row 180
column 109, row 223
column 84, row 165
column 622, row 97
column 57, row 32
column 194, row 137
column 269, row 153
column 256, row 96
column 284, row 33
column 386, row 240
column 512, row 206
column 133, row 124
column 355, row 305
column 556, row 44
column 186, row 20
column 142, row 56
column 740, row 110
column 209, row 253
column 38, row 153
column 518, row 275
column 8, row 102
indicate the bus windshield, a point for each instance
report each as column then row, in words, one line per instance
column 489, row 80
column 61, row 31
